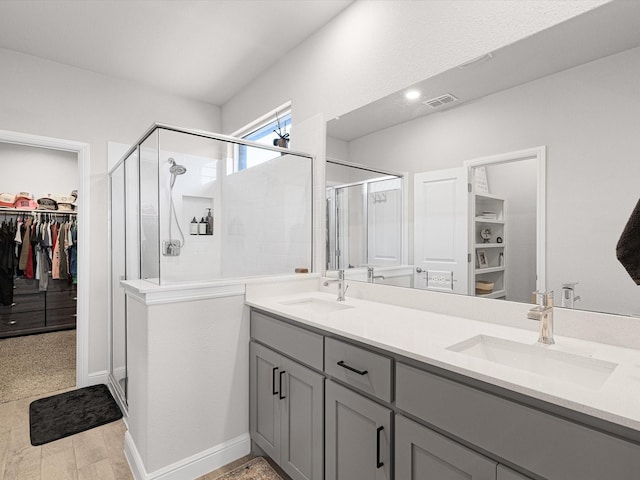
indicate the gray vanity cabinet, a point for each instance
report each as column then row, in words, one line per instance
column 505, row 473
column 286, row 412
column 358, row 436
column 422, row 454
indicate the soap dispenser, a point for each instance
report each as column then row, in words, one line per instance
column 209, row 222
column 193, row 227
column 202, row 227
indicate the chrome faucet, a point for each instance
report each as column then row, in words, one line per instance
column 371, row 278
column 569, row 294
column 342, row 286
column 544, row 313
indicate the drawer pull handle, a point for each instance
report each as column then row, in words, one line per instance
column 280, row 396
column 359, row 372
column 273, row 381
column 378, row 462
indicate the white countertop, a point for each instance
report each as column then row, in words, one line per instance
column 424, row 336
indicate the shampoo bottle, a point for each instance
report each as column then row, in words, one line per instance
column 193, row 227
column 202, row 227
column 209, row 222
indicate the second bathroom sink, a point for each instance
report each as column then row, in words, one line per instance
column 316, row 305
column 577, row 369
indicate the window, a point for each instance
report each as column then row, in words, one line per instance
column 265, row 134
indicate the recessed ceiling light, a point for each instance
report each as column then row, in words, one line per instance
column 412, row 94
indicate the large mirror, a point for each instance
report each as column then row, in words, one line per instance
column 542, row 138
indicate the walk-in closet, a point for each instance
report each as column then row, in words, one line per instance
column 38, row 270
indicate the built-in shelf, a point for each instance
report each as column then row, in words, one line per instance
column 480, row 271
column 492, row 255
column 489, row 220
column 496, row 294
column 489, row 245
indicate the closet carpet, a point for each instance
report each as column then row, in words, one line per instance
column 37, row 364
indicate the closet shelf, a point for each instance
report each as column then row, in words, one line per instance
column 17, row 211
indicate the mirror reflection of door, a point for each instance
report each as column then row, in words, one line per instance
column 440, row 230
column 384, row 222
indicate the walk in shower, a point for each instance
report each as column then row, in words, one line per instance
column 191, row 207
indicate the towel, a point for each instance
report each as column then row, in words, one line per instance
column 628, row 247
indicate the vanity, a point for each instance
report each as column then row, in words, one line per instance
column 362, row 389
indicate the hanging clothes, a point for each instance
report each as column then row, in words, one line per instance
column 62, row 251
column 7, row 262
column 73, row 257
column 24, row 253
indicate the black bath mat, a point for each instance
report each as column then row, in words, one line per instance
column 72, row 412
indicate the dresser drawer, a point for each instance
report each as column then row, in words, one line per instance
column 360, row 368
column 60, row 299
column 293, row 341
column 31, row 302
column 61, row 317
column 24, row 285
column 61, row 286
column 550, row 446
column 20, row 323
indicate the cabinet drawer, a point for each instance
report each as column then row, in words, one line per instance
column 19, row 323
column 61, row 286
column 31, row 302
column 539, row 442
column 61, row 317
column 504, row 473
column 24, row 285
column 291, row 340
column 59, row 299
column 360, row 368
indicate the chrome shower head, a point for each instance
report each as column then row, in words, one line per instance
column 176, row 169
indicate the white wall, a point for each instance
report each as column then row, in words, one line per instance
column 39, row 171
column 45, row 98
column 189, row 380
column 375, row 48
column 587, row 118
column 517, row 183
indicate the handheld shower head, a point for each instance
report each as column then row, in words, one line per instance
column 176, row 169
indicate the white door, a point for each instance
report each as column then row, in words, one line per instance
column 440, row 240
column 384, row 222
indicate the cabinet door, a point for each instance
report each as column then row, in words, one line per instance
column 422, row 454
column 505, row 473
column 264, row 402
column 301, row 453
column 358, row 436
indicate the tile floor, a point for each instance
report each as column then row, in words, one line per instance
column 97, row 454
column 94, row 454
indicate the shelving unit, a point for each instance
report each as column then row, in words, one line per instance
column 488, row 224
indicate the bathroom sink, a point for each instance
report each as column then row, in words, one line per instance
column 315, row 305
column 577, row 369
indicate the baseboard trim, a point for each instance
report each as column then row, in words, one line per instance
column 97, row 378
column 191, row 467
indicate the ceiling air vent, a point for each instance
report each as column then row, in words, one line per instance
column 441, row 100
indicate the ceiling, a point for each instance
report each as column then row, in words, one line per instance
column 611, row 28
column 206, row 50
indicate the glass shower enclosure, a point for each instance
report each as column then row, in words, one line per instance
column 188, row 207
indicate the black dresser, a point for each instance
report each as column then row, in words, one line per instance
column 37, row 312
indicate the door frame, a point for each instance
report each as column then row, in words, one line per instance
column 82, row 150
column 540, row 155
